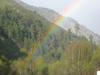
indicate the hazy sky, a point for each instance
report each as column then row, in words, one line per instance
column 87, row 14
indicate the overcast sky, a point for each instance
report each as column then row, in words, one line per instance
column 87, row 14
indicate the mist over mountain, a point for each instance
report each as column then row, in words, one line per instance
column 70, row 23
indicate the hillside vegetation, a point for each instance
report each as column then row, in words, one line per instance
column 70, row 23
column 64, row 53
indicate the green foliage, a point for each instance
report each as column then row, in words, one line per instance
column 96, row 58
column 22, row 67
column 75, row 61
column 8, row 47
column 22, row 31
column 4, row 65
column 27, row 29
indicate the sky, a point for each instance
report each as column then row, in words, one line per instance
column 87, row 13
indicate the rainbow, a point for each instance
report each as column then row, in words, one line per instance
column 58, row 22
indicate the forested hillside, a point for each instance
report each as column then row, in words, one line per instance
column 69, row 23
column 64, row 53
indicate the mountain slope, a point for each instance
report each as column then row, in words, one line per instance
column 19, row 29
column 68, row 24
column 27, row 29
column 63, row 53
column 8, row 48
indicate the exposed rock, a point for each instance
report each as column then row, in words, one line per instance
column 69, row 23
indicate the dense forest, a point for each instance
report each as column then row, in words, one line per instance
column 64, row 53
